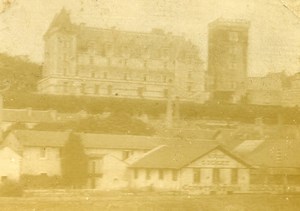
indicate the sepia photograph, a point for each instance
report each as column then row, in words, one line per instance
column 150, row 105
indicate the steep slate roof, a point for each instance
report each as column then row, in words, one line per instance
column 178, row 156
column 157, row 39
column 105, row 141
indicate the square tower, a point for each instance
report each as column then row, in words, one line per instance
column 227, row 58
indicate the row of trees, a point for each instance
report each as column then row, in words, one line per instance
column 155, row 109
column 22, row 73
column 116, row 123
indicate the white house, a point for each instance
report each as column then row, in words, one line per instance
column 38, row 153
column 205, row 166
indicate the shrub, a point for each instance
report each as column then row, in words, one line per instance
column 40, row 181
column 11, row 189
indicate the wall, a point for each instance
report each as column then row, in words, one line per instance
column 153, row 182
column 115, row 175
column 34, row 163
column 10, row 164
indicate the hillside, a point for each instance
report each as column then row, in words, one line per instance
column 22, row 73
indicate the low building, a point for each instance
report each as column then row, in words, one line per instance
column 202, row 166
column 276, row 163
column 109, row 155
column 265, row 90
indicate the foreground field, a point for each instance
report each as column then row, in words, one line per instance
column 155, row 202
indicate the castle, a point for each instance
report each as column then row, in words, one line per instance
column 81, row 60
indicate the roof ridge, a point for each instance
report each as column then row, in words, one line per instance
column 149, row 152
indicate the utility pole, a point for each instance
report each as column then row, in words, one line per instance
column 169, row 112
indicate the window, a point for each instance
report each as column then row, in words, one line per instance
column 97, row 89
column 43, row 152
column 103, row 52
column 161, row 174
column 65, row 70
column 197, row 176
column 165, row 65
column 126, row 154
column 65, row 86
column 145, row 77
column 189, row 88
column 145, row 64
column 166, row 93
column 125, row 76
column 91, row 60
column 109, row 89
column 189, row 75
column 108, row 48
column 136, row 173
column 108, row 61
column 82, row 88
column 216, row 173
column 165, row 79
column 174, row 175
column 140, row 91
column 165, row 52
column 234, row 176
column 105, row 75
column 148, row 174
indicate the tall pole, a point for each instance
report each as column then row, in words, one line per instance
column 169, row 112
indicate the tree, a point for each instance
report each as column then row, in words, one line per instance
column 74, row 162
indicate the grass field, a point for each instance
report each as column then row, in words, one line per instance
column 155, row 202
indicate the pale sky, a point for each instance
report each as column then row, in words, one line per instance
column 274, row 41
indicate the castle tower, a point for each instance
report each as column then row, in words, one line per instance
column 60, row 51
column 227, row 58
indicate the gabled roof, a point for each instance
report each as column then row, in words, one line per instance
column 105, row 141
column 179, row 156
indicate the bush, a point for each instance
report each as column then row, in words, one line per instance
column 40, row 181
column 11, row 189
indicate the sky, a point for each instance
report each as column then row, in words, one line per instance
column 274, row 41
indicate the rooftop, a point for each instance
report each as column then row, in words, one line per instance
column 177, row 156
column 34, row 138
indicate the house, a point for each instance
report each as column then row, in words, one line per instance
column 109, row 155
column 276, row 162
column 203, row 165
